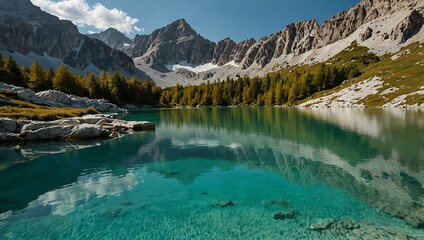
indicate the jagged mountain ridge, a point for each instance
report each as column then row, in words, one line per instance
column 381, row 25
column 112, row 37
column 28, row 31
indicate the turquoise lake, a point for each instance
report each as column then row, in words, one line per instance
column 357, row 172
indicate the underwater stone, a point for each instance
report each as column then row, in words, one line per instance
column 268, row 203
column 323, row 225
column 284, row 215
column 416, row 219
column 223, row 203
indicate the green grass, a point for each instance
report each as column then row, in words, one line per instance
column 18, row 109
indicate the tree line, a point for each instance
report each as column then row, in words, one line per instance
column 111, row 86
column 273, row 89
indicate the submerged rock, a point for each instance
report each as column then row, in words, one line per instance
column 279, row 202
column 285, row 215
column 223, row 203
column 416, row 219
column 113, row 213
column 323, row 225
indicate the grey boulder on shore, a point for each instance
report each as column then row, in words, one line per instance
column 76, row 128
column 53, row 98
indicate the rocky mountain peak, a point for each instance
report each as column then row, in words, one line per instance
column 26, row 29
column 112, row 37
column 174, row 43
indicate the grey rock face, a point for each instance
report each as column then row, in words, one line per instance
column 241, row 49
column 296, row 38
column 93, row 51
column 224, row 52
column 25, row 28
column 303, row 36
column 112, row 37
column 174, row 43
column 408, row 27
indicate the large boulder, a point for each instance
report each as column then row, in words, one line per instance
column 55, row 132
column 69, row 100
column 86, row 131
column 36, row 125
column 142, row 126
column 27, row 95
column 8, row 125
column 9, row 137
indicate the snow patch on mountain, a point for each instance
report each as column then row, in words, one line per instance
column 191, row 67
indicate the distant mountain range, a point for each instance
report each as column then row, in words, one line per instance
column 178, row 54
column 28, row 34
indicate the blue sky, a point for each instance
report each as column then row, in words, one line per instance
column 214, row 20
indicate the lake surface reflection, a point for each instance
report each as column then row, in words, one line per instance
column 362, row 170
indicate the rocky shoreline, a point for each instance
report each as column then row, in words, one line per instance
column 69, row 129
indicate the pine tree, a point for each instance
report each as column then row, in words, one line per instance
column 216, row 96
column 247, row 96
column 65, row 81
column 269, row 97
column 37, row 78
column 278, row 94
column 13, row 72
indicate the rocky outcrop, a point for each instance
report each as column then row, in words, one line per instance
column 224, row 52
column 296, row 38
column 112, row 37
column 78, row 128
column 177, row 42
column 95, row 52
column 242, row 48
column 55, row 98
column 28, row 95
column 25, row 28
column 69, row 100
column 408, row 27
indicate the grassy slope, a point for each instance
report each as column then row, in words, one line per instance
column 404, row 75
column 18, row 109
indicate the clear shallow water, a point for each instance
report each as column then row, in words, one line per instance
column 362, row 165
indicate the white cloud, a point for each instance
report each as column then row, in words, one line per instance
column 82, row 14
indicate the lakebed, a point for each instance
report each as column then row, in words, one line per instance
column 220, row 173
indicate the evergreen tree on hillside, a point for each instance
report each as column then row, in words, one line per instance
column 3, row 77
column 65, row 81
column 37, row 80
column 13, row 72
